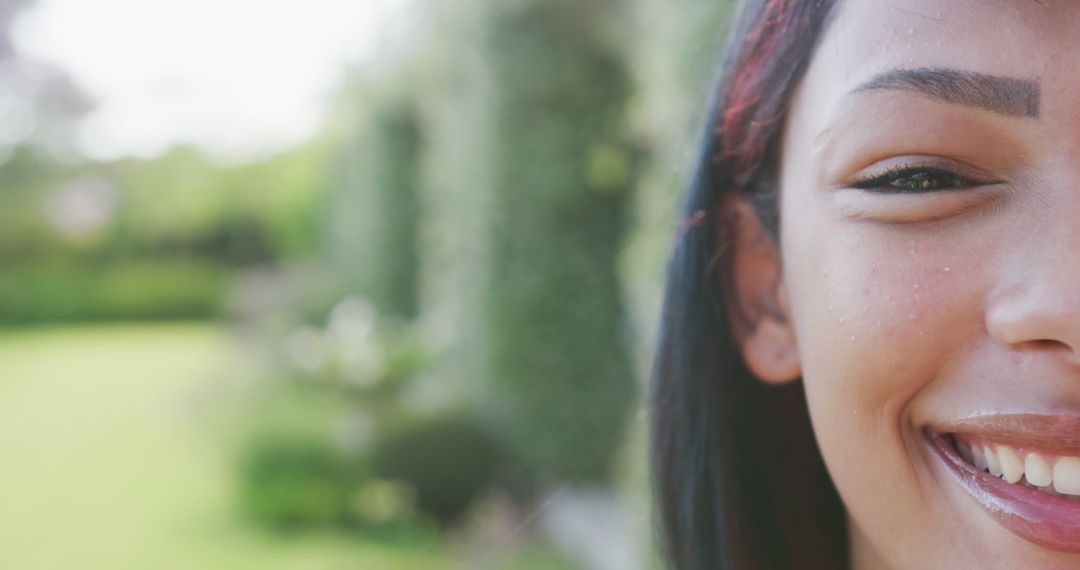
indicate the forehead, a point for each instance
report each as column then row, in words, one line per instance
column 1037, row 39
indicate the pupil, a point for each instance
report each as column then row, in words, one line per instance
column 925, row 180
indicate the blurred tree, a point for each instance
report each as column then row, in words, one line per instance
column 563, row 170
column 370, row 217
column 344, row 213
column 397, row 209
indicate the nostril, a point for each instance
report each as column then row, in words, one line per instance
column 1049, row 344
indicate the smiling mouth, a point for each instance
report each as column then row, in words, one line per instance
column 1023, row 470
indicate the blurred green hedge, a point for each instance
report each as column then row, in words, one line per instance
column 59, row 291
column 560, row 374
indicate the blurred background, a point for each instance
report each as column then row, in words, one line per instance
column 337, row 283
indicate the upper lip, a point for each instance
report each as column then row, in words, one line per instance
column 1060, row 433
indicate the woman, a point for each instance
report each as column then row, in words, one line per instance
column 870, row 355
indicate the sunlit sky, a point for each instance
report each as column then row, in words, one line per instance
column 240, row 78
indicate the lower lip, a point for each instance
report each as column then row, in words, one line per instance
column 1044, row 519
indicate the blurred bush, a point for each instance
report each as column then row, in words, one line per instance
column 295, row 479
column 411, row 470
column 79, row 291
column 447, row 460
column 340, row 439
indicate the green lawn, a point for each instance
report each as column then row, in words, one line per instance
column 112, row 455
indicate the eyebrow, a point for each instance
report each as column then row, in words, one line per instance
column 1004, row 95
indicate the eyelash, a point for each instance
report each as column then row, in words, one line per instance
column 892, row 181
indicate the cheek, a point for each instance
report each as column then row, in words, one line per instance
column 878, row 313
column 879, row 316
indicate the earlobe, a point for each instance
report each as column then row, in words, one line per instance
column 771, row 353
column 760, row 319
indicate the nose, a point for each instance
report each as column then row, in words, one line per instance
column 1039, row 308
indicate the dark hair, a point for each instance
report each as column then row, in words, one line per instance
column 740, row 482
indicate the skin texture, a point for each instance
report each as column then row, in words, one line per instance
column 908, row 311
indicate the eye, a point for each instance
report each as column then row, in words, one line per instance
column 911, row 180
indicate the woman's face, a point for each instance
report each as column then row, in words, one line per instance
column 931, row 257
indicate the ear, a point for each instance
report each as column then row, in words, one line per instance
column 760, row 322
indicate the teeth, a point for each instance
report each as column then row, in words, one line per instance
column 1037, row 470
column 1059, row 476
column 965, row 452
column 980, row 459
column 1012, row 467
column 1067, row 476
column 992, row 462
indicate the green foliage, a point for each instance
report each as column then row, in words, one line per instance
column 293, row 480
column 293, row 472
column 447, row 459
column 561, row 379
column 164, row 235
column 397, row 206
column 177, row 204
column 240, row 215
column 349, row 382
column 295, row 475
column 66, row 291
